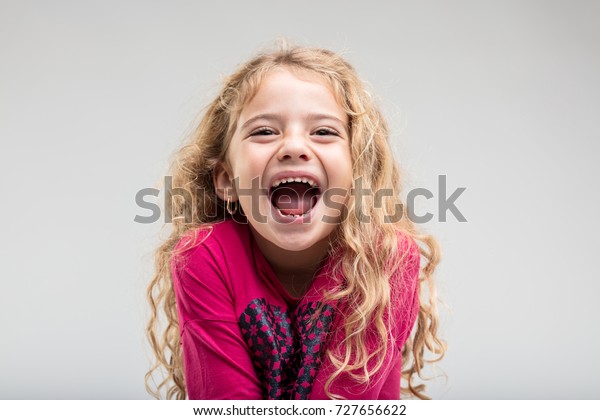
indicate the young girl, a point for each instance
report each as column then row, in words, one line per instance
column 292, row 270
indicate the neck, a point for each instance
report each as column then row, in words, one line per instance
column 294, row 269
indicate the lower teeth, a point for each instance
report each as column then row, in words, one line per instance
column 294, row 216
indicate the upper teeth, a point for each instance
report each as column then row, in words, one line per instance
column 301, row 179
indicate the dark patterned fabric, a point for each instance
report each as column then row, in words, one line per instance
column 286, row 349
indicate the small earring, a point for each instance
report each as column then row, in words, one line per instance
column 229, row 210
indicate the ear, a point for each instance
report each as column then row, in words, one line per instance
column 223, row 181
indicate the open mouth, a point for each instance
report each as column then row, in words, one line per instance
column 294, row 199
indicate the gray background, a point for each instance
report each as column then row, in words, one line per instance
column 501, row 97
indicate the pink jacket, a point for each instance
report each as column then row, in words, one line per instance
column 245, row 337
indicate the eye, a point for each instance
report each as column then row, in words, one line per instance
column 326, row 132
column 263, row 131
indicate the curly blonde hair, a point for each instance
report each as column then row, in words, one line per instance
column 366, row 247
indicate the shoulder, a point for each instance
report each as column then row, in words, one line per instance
column 210, row 233
column 208, row 245
column 210, row 237
column 201, row 266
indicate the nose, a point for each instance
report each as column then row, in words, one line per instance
column 294, row 146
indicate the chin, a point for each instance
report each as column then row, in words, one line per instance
column 295, row 246
column 299, row 242
column 289, row 243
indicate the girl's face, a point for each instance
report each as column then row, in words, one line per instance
column 292, row 128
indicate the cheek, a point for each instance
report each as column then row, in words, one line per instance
column 344, row 167
column 253, row 155
column 250, row 174
column 248, row 166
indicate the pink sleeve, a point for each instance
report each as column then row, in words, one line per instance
column 406, row 284
column 405, row 307
column 391, row 388
column 216, row 360
column 407, row 304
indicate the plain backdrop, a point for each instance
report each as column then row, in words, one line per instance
column 501, row 97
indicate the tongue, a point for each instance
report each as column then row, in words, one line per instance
column 293, row 198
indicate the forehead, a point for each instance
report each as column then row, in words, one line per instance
column 300, row 88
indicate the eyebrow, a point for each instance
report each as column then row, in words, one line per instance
column 311, row 116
